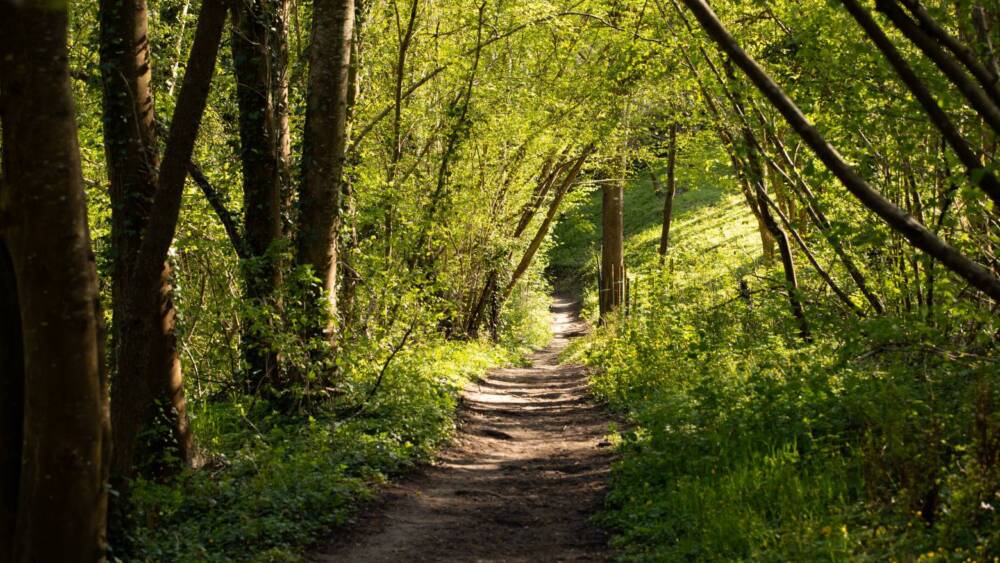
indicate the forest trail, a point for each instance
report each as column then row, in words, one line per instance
column 526, row 471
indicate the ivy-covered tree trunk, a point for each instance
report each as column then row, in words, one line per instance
column 52, row 338
column 260, row 57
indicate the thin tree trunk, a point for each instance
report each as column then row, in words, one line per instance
column 612, row 286
column 399, row 75
column 543, row 229
column 755, row 172
column 324, row 141
column 918, row 235
column 978, row 99
column 351, row 276
column 62, row 491
column 815, row 213
column 963, row 53
column 668, row 202
column 840, row 293
column 546, row 178
column 972, row 161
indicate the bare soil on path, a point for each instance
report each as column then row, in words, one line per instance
column 526, row 471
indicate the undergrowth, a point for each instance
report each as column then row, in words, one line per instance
column 273, row 485
column 880, row 440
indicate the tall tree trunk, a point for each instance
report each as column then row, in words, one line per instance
column 62, row 494
column 260, row 57
column 138, row 400
column 612, row 275
column 668, row 202
column 918, row 235
column 133, row 160
column 351, row 277
column 324, row 141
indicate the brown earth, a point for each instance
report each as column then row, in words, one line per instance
column 524, row 474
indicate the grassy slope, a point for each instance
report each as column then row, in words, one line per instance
column 749, row 445
column 714, row 239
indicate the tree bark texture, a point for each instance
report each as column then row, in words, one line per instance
column 142, row 401
column 61, row 482
column 668, row 202
column 325, row 141
column 133, row 161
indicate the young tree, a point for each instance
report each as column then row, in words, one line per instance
column 55, row 435
column 668, row 200
column 612, row 286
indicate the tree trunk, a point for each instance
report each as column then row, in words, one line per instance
column 978, row 99
column 815, row 213
column 324, row 141
column 918, row 235
column 62, row 494
column 962, row 52
column 260, row 57
column 133, row 160
column 137, row 397
column 612, row 286
column 668, row 202
column 351, row 276
column 755, row 173
column 972, row 161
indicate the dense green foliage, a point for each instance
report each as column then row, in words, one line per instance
column 865, row 428
column 272, row 486
column 876, row 441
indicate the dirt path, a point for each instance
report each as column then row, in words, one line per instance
column 525, row 473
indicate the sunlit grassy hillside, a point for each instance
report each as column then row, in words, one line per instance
column 714, row 240
column 747, row 443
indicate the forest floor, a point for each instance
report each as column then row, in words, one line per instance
column 525, row 473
